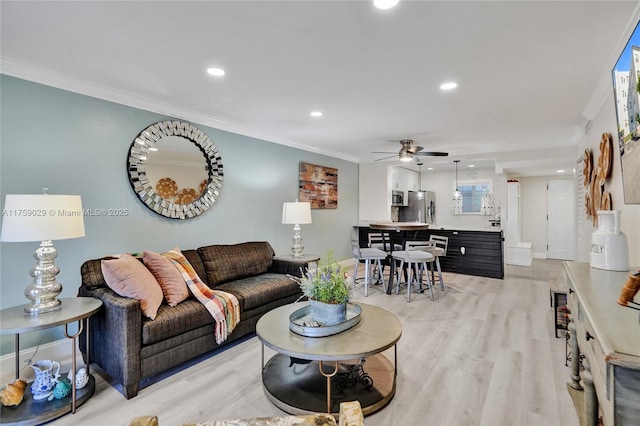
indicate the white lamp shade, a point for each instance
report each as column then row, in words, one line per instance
column 296, row 213
column 41, row 217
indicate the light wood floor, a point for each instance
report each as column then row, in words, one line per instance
column 482, row 353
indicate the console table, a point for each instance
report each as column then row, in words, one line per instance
column 608, row 335
column 16, row 321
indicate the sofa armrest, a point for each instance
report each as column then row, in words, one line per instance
column 280, row 266
column 116, row 337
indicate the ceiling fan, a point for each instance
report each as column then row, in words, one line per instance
column 409, row 151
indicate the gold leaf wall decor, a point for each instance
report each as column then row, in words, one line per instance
column 595, row 176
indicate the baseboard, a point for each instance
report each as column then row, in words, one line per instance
column 57, row 350
column 539, row 255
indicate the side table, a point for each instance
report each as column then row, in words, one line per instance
column 305, row 258
column 16, row 321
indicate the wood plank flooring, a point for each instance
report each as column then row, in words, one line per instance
column 482, row 353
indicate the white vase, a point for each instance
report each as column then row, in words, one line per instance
column 609, row 249
column 327, row 314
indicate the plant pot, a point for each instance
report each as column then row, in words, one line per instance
column 327, row 314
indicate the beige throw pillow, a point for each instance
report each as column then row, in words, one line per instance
column 170, row 279
column 129, row 278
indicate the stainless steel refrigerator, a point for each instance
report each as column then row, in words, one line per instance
column 421, row 207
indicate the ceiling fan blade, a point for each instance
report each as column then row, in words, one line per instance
column 386, row 158
column 432, row 154
column 415, row 149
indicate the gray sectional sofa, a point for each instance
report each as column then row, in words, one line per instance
column 130, row 347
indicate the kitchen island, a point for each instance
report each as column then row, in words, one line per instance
column 471, row 251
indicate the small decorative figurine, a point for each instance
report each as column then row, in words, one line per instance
column 82, row 378
column 61, row 390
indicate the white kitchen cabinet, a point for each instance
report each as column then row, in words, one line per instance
column 413, row 183
column 404, row 180
column 399, row 179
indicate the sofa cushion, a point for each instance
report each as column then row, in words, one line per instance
column 91, row 273
column 130, row 278
column 224, row 263
column 176, row 320
column 173, row 286
column 196, row 262
column 253, row 292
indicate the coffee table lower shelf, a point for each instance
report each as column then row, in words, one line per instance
column 301, row 388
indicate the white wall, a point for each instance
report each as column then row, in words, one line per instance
column 374, row 193
column 604, row 120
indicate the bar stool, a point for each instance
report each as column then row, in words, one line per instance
column 382, row 241
column 369, row 255
column 415, row 260
column 440, row 250
column 431, row 246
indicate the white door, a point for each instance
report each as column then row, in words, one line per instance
column 561, row 226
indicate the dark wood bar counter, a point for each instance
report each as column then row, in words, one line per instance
column 470, row 252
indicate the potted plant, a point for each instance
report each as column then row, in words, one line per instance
column 328, row 289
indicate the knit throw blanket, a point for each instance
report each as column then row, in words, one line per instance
column 223, row 306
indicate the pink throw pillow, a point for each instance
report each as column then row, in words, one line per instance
column 170, row 279
column 129, row 278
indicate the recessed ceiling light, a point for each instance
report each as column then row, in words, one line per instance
column 472, row 165
column 448, row 86
column 560, row 171
column 429, row 168
column 217, row 72
column 316, row 113
column 385, row 4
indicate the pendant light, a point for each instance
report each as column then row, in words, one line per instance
column 456, row 204
column 420, row 191
column 457, row 194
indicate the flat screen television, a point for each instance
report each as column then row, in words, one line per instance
column 626, row 89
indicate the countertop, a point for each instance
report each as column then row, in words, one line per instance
column 442, row 227
column 466, row 228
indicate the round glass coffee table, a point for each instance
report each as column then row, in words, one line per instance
column 315, row 374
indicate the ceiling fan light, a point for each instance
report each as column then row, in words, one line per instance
column 406, row 156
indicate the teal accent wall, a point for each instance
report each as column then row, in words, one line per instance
column 75, row 144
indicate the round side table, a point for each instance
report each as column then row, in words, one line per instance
column 16, row 321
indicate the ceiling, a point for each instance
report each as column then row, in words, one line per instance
column 528, row 72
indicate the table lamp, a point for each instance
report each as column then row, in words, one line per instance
column 296, row 213
column 42, row 217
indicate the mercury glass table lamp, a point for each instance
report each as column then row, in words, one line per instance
column 42, row 217
column 295, row 214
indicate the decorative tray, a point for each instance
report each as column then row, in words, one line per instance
column 300, row 322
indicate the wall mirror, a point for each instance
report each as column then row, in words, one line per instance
column 626, row 89
column 175, row 169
